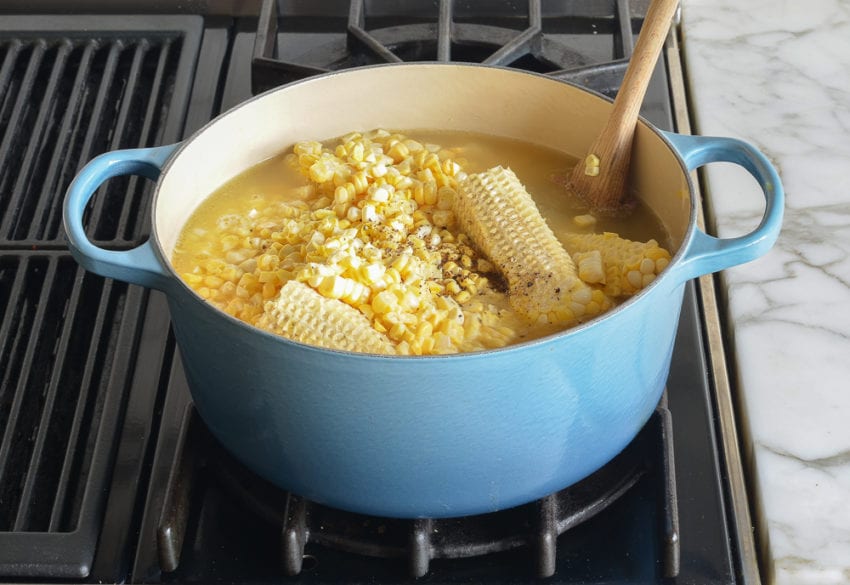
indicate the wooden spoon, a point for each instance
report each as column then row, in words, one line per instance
column 601, row 179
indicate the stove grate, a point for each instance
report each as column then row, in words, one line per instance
column 71, row 88
column 525, row 42
column 66, row 99
column 303, row 523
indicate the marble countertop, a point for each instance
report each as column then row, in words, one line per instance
column 777, row 74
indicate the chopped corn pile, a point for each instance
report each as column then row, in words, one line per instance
column 392, row 247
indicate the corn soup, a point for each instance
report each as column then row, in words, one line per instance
column 413, row 244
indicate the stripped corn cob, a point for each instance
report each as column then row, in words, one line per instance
column 496, row 211
column 302, row 314
column 628, row 266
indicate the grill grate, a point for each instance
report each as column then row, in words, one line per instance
column 70, row 90
column 69, row 99
column 52, row 412
column 522, row 40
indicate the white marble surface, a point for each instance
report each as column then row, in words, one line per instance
column 777, row 73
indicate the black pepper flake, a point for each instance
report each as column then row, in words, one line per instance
column 497, row 281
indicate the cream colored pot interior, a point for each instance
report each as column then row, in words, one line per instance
column 403, row 97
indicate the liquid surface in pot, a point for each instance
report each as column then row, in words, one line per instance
column 390, row 239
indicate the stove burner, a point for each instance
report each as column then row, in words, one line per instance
column 97, row 426
column 536, row 525
column 445, row 40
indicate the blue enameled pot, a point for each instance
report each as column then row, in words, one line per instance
column 424, row 436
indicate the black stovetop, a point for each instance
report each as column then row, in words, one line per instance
column 96, row 421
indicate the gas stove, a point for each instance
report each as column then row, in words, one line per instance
column 106, row 472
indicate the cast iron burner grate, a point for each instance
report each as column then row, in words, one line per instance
column 72, row 87
column 526, row 43
column 536, row 525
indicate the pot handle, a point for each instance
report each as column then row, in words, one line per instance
column 139, row 265
column 706, row 254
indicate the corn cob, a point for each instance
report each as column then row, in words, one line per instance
column 302, row 314
column 496, row 211
column 628, row 266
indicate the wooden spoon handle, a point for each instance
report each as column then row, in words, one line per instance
column 613, row 145
column 649, row 44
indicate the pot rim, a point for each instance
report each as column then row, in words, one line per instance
column 521, row 346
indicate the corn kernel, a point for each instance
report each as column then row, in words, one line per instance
column 192, row 279
column 229, row 242
column 584, row 221
column 429, row 192
column 360, row 182
column 213, row 281
column 591, row 165
column 397, row 331
column 380, row 195
column 452, row 287
column 332, row 287
column 399, row 151
column 369, row 213
column 384, row 302
column 443, row 218
column 590, row 267
column 445, row 198
column 435, row 288
column 321, row 172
